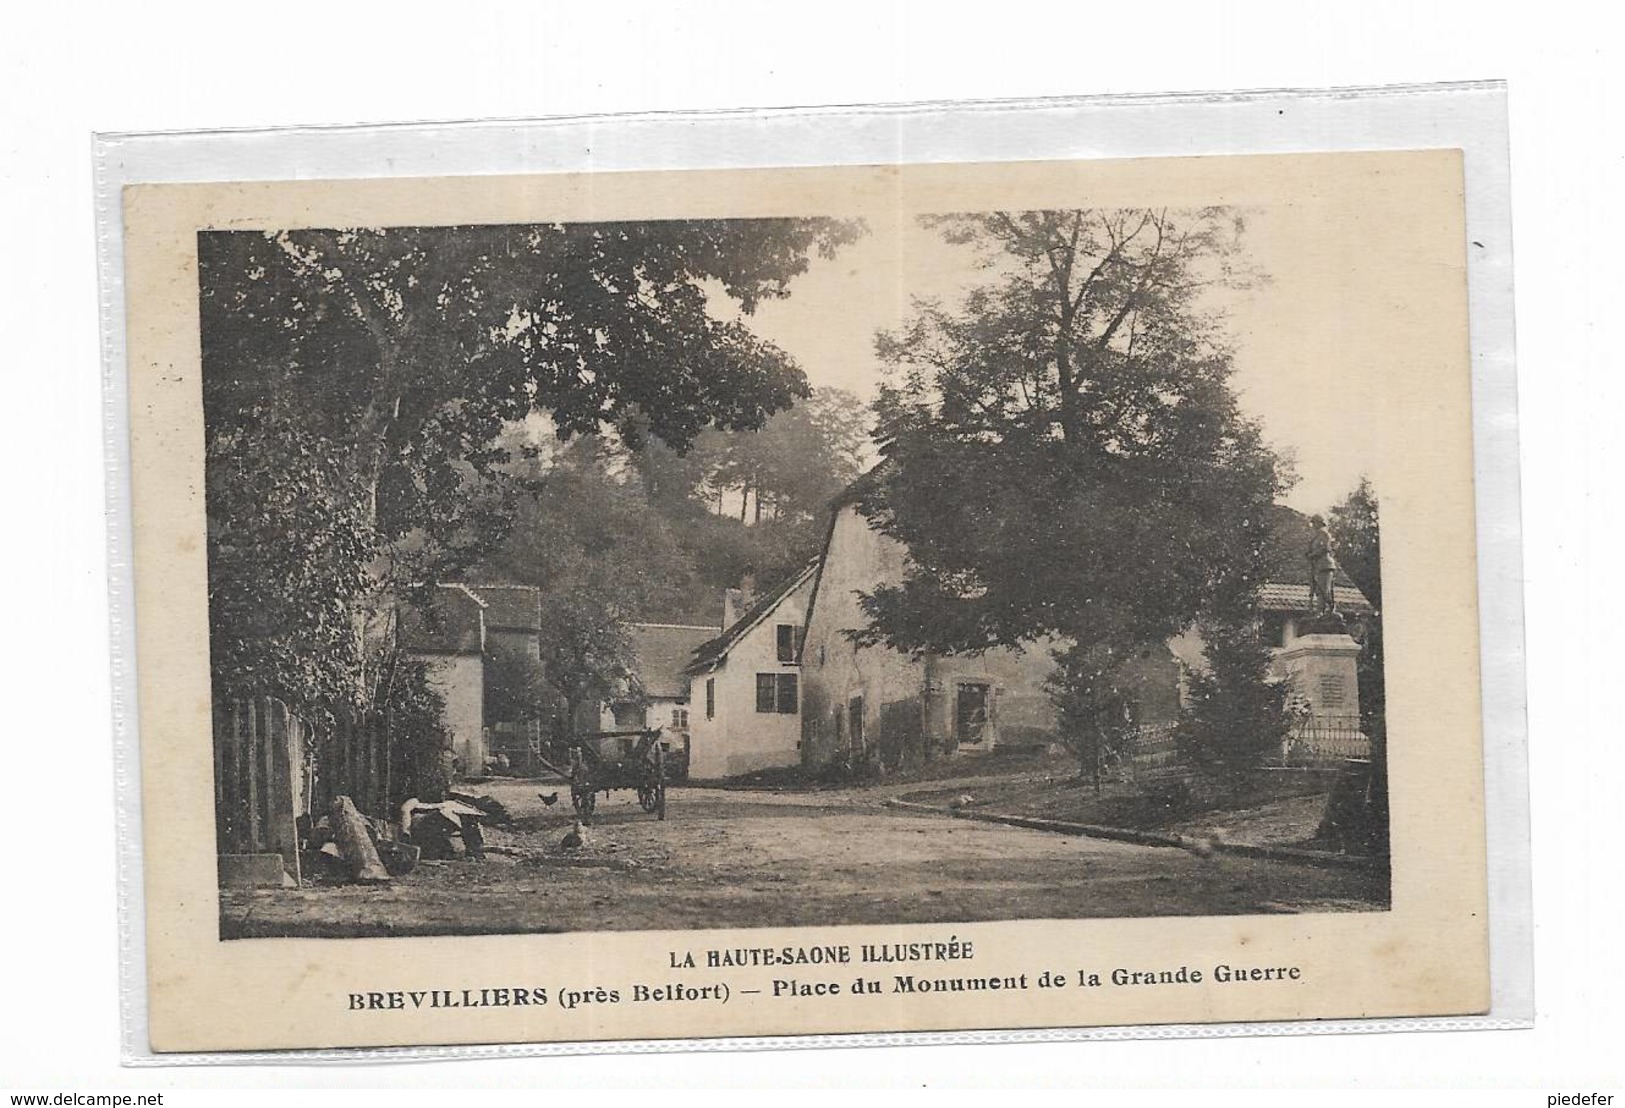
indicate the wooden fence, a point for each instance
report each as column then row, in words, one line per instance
column 260, row 779
column 271, row 767
column 357, row 759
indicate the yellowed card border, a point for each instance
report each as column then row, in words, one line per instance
column 182, row 210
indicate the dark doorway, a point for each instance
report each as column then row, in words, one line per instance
column 854, row 725
column 970, row 715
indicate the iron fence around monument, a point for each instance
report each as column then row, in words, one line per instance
column 1323, row 739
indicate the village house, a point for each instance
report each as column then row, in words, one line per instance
column 746, row 684
column 513, row 626
column 449, row 636
column 663, row 651
column 879, row 705
column 864, row 703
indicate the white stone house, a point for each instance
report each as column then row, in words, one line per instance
column 745, row 687
column 449, row 637
column 663, row 652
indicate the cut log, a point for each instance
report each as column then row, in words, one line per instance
column 350, row 831
column 495, row 811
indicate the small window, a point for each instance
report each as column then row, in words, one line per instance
column 777, row 693
column 789, row 635
column 710, row 698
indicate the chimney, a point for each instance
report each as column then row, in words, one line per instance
column 736, row 602
column 733, row 606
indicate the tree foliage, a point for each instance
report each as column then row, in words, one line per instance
column 280, row 608
column 356, row 382
column 1065, row 457
column 1238, row 711
column 800, row 459
column 516, row 687
column 1356, row 536
column 756, row 502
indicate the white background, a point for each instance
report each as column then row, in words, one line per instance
column 72, row 69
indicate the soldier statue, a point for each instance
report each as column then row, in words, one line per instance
column 1322, row 572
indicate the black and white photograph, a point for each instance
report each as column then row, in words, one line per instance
column 557, row 549
column 787, row 602
column 765, row 572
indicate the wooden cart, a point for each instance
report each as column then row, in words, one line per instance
column 607, row 760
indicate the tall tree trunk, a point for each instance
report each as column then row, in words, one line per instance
column 572, row 708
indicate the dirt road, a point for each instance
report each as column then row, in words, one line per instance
column 755, row 859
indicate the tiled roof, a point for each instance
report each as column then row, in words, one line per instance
column 1277, row 597
column 511, row 607
column 1287, row 588
column 663, row 652
column 715, row 650
column 1290, row 533
column 453, row 622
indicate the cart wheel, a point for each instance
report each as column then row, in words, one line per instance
column 646, row 798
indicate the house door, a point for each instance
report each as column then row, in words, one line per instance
column 970, row 715
column 854, row 723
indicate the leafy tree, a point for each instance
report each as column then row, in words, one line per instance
column 1066, row 460
column 376, row 367
column 584, row 522
column 1238, row 712
column 516, row 687
column 1094, row 711
column 585, row 535
column 415, row 717
column 280, row 613
column 1354, row 524
column 587, row 655
column 1356, row 537
column 755, row 502
column 798, row 461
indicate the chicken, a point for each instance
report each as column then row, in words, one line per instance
column 549, row 799
column 573, row 838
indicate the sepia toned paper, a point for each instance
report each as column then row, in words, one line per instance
column 1362, row 361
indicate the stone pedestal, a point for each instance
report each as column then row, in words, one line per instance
column 1321, row 669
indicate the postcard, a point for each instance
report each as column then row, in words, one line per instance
column 763, row 602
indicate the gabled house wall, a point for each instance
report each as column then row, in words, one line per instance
column 451, row 642
column 729, row 736
column 663, row 652
column 876, row 703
